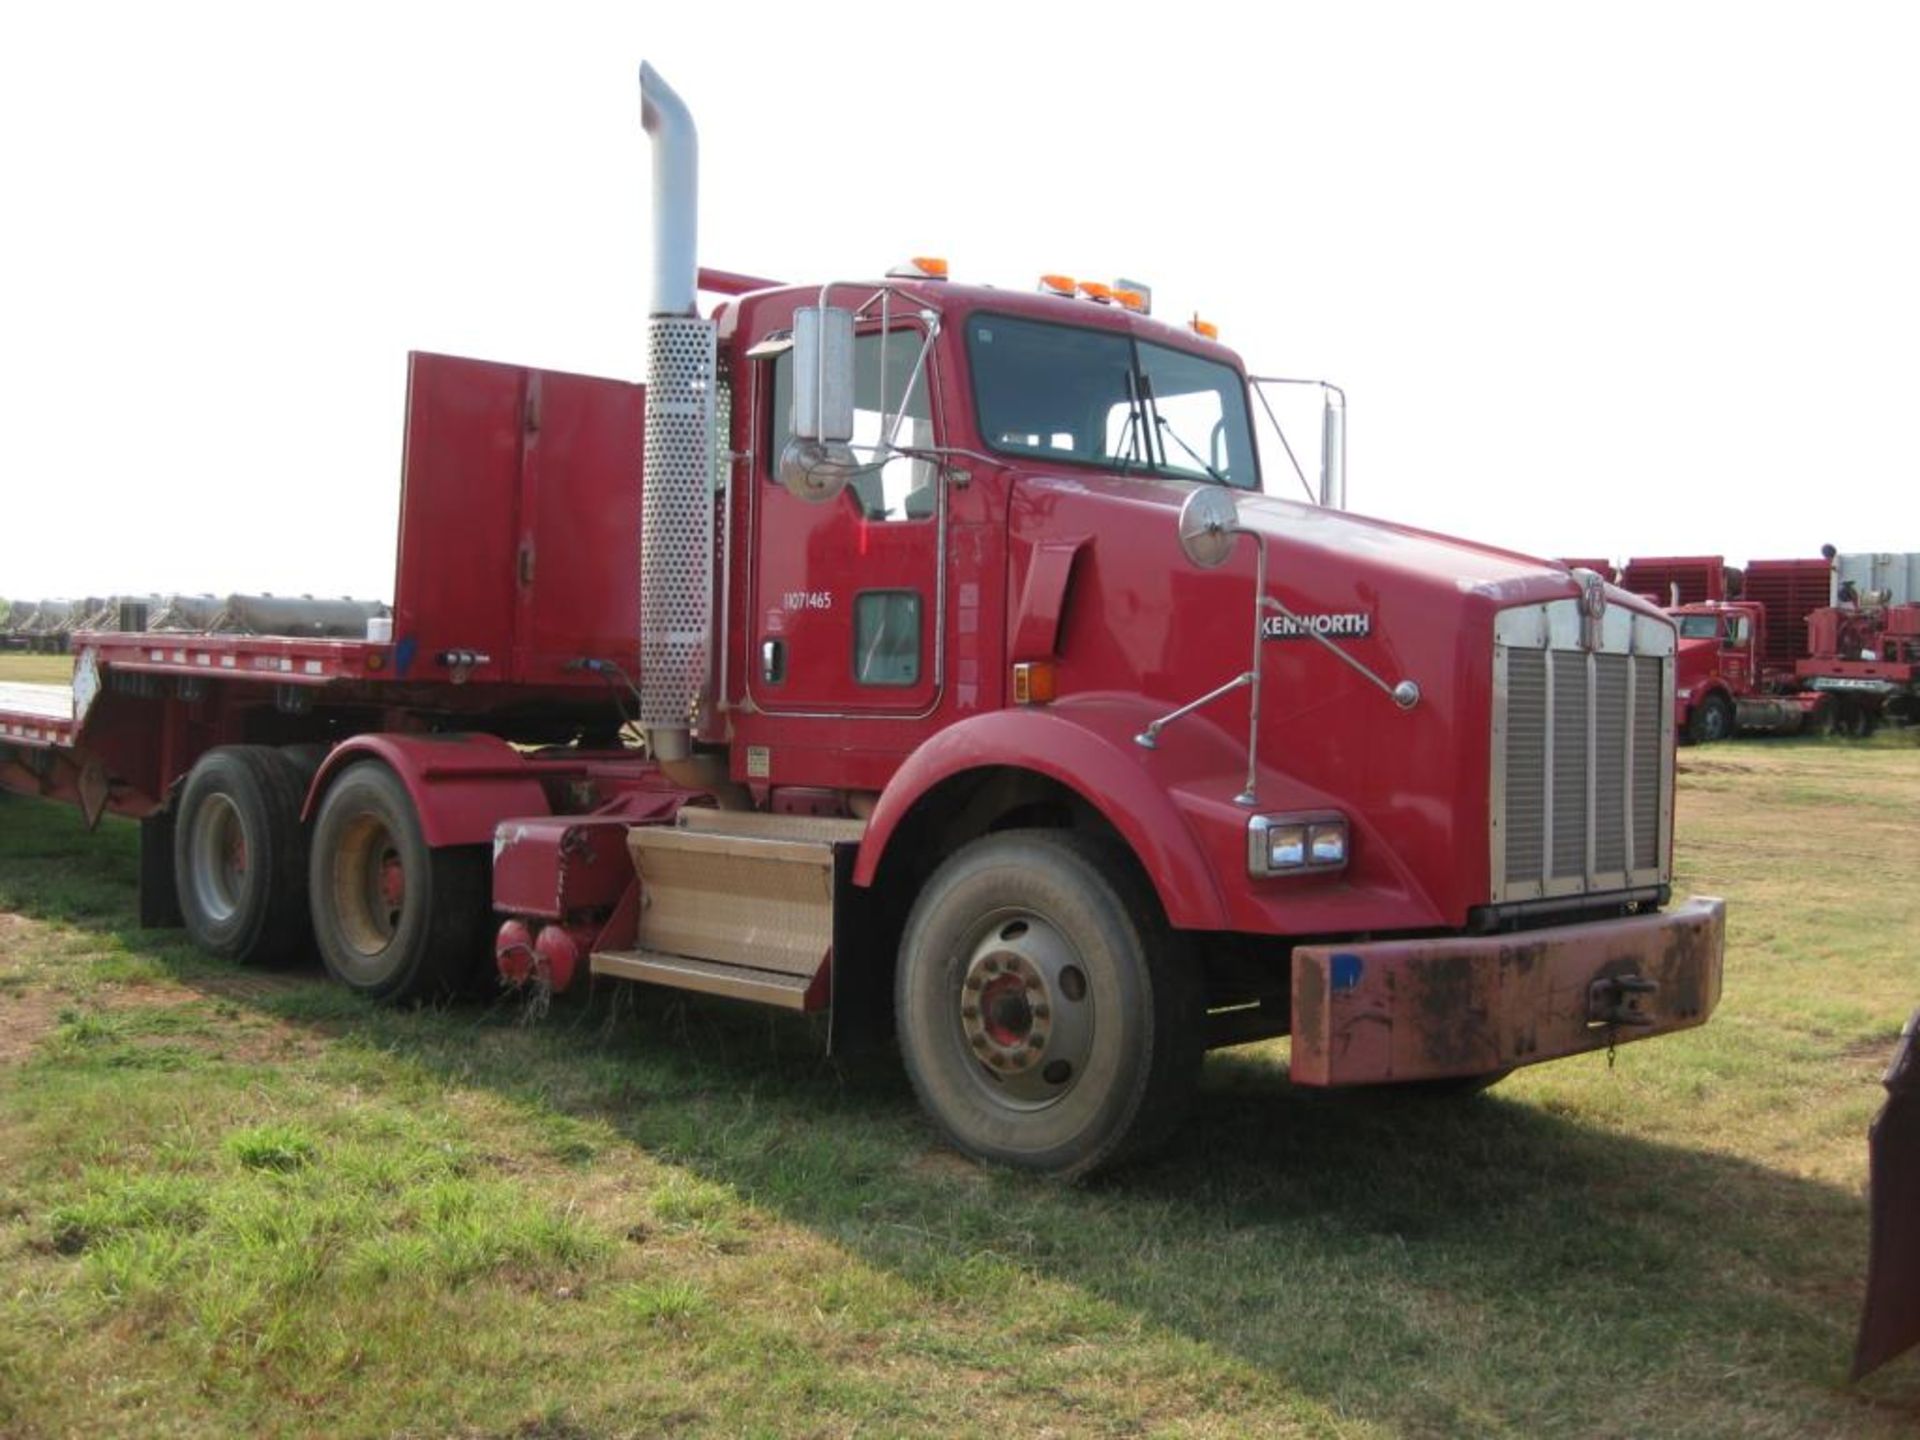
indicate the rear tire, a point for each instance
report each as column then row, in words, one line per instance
column 1047, row 1017
column 240, row 856
column 395, row 919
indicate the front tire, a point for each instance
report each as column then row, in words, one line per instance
column 1712, row 720
column 1048, row 1019
column 240, row 856
column 395, row 919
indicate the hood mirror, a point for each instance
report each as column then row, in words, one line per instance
column 1209, row 521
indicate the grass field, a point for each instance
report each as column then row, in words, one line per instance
column 36, row 669
column 241, row 1202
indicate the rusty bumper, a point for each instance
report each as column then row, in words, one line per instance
column 1404, row 1010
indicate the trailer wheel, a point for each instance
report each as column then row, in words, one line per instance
column 240, row 856
column 1046, row 1017
column 1712, row 720
column 395, row 919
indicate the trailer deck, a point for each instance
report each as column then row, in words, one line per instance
column 36, row 714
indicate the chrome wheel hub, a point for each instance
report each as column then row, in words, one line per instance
column 219, row 859
column 1025, row 1011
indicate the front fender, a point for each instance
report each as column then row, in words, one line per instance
column 461, row 785
column 1104, row 771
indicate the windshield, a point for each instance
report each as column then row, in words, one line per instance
column 1099, row 397
column 1699, row 627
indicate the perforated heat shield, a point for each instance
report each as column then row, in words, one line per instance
column 676, row 520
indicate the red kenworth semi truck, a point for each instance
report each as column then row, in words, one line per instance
column 930, row 655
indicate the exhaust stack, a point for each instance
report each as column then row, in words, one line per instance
column 1333, row 447
column 676, row 195
column 676, row 500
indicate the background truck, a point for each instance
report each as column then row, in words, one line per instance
column 1824, row 644
column 927, row 655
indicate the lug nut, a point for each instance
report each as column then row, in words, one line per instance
column 979, row 1042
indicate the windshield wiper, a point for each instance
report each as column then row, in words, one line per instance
column 1128, row 450
column 1164, row 429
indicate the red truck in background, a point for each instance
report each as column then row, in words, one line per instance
column 1787, row 645
column 928, row 655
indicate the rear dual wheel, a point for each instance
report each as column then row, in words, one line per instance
column 395, row 919
column 1048, row 1019
column 240, row 856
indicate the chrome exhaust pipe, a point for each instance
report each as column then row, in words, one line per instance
column 676, row 504
column 676, row 195
column 1333, row 447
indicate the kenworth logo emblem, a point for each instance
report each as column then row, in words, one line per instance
column 1339, row 625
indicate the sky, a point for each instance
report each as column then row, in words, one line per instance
column 1598, row 280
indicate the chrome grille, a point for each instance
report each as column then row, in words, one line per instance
column 1582, row 752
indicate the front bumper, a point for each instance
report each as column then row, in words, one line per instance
column 1399, row 1010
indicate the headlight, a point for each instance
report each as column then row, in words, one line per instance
column 1296, row 844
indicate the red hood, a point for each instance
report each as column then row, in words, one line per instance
column 1141, row 620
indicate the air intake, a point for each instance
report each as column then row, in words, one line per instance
column 1582, row 753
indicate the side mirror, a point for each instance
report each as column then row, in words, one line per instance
column 817, row 461
column 823, row 374
column 1209, row 521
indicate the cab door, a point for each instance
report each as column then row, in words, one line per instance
column 845, row 595
column 1736, row 652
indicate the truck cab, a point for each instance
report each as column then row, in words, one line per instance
column 1028, row 621
column 1718, row 665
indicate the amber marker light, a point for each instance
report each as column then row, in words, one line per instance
column 1095, row 291
column 1033, row 682
column 1206, row 328
column 376, row 659
column 920, row 267
column 1141, row 292
column 1057, row 285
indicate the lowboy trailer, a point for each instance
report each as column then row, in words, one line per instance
column 929, row 655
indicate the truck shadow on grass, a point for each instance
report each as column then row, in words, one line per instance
column 1488, row 1266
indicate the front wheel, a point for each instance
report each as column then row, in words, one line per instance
column 1712, row 720
column 1048, row 1019
column 395, row 920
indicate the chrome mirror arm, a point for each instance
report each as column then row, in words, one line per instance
column 1406, row 694
column 1149, row 738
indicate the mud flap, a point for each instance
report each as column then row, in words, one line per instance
column 1890, row 1319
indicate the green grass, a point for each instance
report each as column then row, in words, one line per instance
column 36, row 669
column 243, row 1202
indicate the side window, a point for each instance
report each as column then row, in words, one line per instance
column 886, row 637
column 901, row 487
